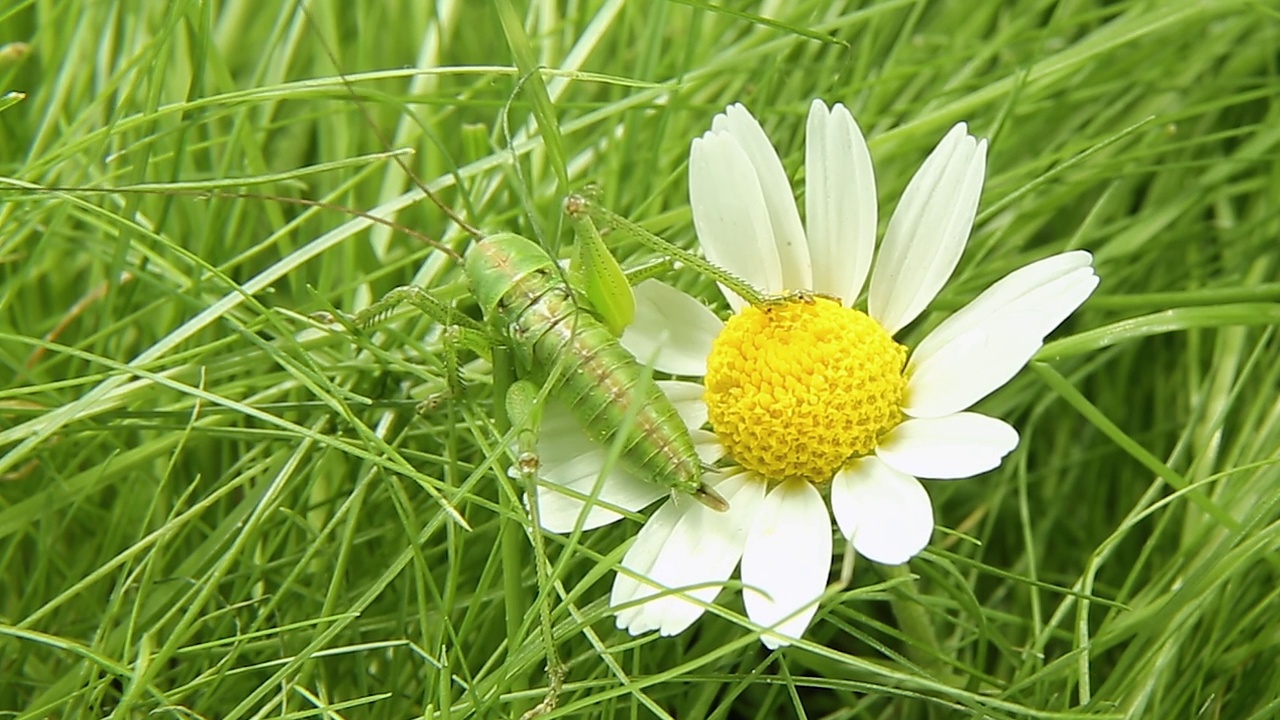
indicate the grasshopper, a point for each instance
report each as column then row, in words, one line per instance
column 568, row 336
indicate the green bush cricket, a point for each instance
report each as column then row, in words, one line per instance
column 567, row 336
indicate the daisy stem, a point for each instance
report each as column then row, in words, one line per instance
column 913, row 618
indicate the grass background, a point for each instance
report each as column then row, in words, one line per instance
column 211, row 508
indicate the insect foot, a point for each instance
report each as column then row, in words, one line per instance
column 710, row 498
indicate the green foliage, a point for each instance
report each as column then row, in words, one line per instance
column 212, row 506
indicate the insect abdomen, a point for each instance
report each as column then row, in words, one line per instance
column 603, row 384
column 608, row 392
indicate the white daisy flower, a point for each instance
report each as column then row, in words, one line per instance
column 811, row 397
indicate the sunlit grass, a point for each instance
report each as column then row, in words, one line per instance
column 212, row 506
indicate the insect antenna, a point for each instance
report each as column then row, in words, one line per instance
column 16, row 186
column 385, row 141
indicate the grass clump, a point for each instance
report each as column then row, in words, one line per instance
column 210, row 507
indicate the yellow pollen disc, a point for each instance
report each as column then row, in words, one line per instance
column 797, row 388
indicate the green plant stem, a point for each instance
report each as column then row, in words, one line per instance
column 515, row 602
column 923, row 647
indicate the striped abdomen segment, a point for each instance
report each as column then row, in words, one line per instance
column 606, row 389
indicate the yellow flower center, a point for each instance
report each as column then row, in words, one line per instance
column 798, row 387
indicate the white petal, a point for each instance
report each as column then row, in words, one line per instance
column 671, row 330
column 687, row 397
column 788, row 234
column 786, row 561
column 570, row 486
column 950, row 447
column 560, row 436
column 1013, row 288
column 987, row 342
column 708, row 446
column 928, row 230
column 840, row 202
column 650, row 542
column 730, row 216
column 971, row 367
column 884, row 513
column 683, row 544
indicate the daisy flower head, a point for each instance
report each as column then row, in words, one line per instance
column 813, row 401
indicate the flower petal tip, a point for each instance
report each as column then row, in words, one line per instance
column 773, row 641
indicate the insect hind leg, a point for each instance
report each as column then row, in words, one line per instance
column 465, row 331
column 453, row 373
column 459, row 331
